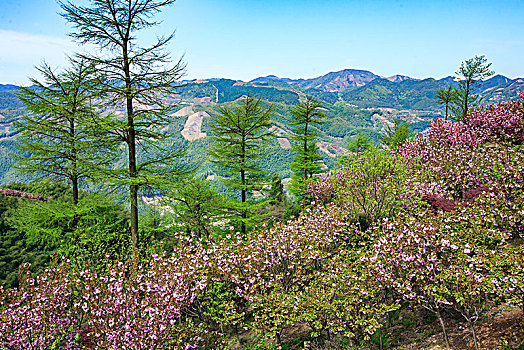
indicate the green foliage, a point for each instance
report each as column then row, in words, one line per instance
column 240, row 134
column 446, row 97
column 87, row 233
column 276, row 190
column 217, row 306
column 360, row 143
column 197, row 205
column 55, row 138
column 305, row 117
column 14, row 248
column 471, row 73
column 397, row 134
column 373, row 186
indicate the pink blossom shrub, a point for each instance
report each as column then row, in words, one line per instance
column 444, row 214
column 64, row 308
column 16, row 193
column 39, row 315
column 133, row 310
column 430, row 262
column 502, row 122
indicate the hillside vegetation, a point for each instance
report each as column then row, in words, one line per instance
column 347, row 211
column 433, row 227
column 365, row 103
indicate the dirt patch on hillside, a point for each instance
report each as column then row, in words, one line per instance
column 503, row 329
column 284, row 143
column 330, row 149
column 188, row 110
column 193, row 126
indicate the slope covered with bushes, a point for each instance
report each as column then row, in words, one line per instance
column 435, row 225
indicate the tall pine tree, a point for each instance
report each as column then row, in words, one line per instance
column 471, row 72
column 134, row 86
column 446, row 97
column 240, row 135
column 54, row 139
column 305, row 117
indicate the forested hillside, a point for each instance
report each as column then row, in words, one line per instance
column 347, row 211
column 367, row 107
column 426, row 235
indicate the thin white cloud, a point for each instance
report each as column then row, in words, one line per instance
column 20, row 52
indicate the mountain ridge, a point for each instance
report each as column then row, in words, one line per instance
column 348, row 78
column 354, row 101
column 336, row 81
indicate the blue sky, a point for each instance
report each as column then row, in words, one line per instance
column 244, row 39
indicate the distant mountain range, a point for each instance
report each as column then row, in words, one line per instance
column 360, row 87
column 5, row 87
column 351, row 78
column 365, row 89
column 354, row 101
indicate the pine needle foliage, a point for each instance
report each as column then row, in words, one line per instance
column 240, row 136
column 446, row 97
column 471, row 72
column 305, row 117
column 134, row 86
column 54, row 139
column 397, row 134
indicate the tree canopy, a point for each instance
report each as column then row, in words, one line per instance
column 134, row 84
column 240, row 134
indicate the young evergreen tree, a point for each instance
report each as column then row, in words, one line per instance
column 134, row 85
column 471, row 73
column 397, row 134
column 446, row 97
column 305, row 116
column 240, row 135
column 276, row 190
column 360, row 143
column 54, row 140
column 196, row 205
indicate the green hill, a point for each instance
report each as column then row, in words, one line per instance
column 354, row 101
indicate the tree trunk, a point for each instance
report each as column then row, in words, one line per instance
column 243, row 199
column 131, row 143
column 243, row 181
column 75, row 189
column 74, row 161
column 473, row 334
column 133, row 188
column 445, row 334
column 466, row 96
column 74, row 173
column 305, row 155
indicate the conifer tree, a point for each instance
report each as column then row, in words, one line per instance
column 471, row 73
column 446, row 97
column 360, row 143
column 305, row 116
column 240, row 135
column 276, row 190
column 397, row 134
column 134, row 85
column 196, row 205
column 54, row 140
